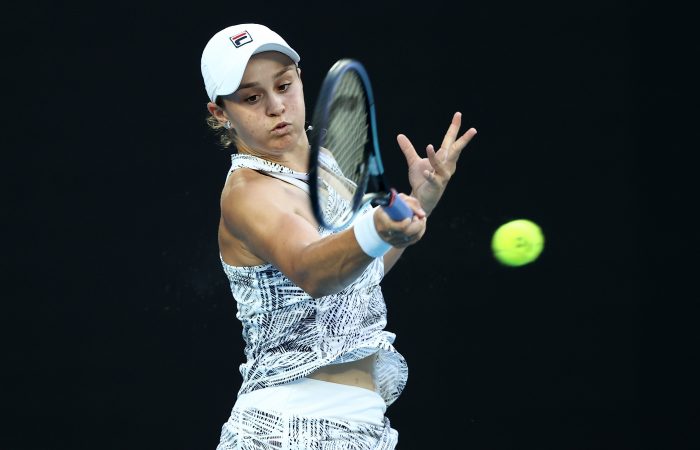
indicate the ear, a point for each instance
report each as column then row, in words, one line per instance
column 218, row 113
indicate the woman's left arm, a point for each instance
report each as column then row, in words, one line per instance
column 430, row 176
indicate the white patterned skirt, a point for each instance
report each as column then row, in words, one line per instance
column 309, row 414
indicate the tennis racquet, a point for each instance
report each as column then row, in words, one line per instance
column 345, row 166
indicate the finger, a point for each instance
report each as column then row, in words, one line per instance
column 465, row 138
column 396, row 233
column 437, row 163
column 452, row 131
column 460, row 144
column 414, row 228
column 389, row 229
column 414, row 231
column 414, row 204
column 404, row 228
column 407, row 148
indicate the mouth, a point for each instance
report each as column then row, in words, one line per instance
column 282, row 128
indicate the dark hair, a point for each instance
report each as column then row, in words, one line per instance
column 227, row 136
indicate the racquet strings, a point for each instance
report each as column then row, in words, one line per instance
column 344, row 145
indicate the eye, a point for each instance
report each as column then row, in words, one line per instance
column 284, row 87
column 252, row 98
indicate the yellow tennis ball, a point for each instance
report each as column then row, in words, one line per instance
column 517, row 242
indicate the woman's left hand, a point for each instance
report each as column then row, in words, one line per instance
column 429, row 176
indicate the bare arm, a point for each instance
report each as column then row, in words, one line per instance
column 391, row 257
column 258, row 212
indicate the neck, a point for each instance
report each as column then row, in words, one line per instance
column 296, row 159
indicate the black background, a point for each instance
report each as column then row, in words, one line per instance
column 120, row 327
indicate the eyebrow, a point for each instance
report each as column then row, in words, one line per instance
column 277, row 75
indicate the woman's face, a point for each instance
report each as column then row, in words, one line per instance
column 267, row 111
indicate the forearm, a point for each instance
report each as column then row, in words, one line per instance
column 393, row 255
column 329, row 265
column 391, row 258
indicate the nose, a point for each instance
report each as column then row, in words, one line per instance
column 275, row 105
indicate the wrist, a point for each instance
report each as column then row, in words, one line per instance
column 367, row 236
column 427, row 208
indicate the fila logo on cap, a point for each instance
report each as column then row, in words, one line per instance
column 241, row 39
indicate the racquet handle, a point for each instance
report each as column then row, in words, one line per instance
column 397, row 208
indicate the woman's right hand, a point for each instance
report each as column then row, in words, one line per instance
column 403, row 233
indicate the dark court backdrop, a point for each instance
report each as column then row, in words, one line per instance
column 120, row 329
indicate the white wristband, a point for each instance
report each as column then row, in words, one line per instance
column 367, row 236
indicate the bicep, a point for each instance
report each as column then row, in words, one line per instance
column 278, row 227
column 269, row 226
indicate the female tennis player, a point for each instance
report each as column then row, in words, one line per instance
column 320, row 368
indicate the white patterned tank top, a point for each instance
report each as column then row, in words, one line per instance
column 288, row 334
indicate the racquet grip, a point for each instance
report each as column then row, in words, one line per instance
column 397, row 209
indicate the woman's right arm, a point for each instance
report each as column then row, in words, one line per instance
column 258, row 213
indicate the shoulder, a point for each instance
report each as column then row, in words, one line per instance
column 245, row 187
column 251, row 199
column 255, row 208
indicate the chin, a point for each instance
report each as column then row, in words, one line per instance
column 287, row 141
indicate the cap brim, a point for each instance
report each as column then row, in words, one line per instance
column 235, row 74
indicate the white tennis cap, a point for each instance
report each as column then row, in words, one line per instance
column 227, row 53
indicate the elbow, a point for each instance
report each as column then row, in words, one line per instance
column 315, row 284
column 316, row 288
column 326, row 276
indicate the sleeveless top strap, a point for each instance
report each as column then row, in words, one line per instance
column 298, row 179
